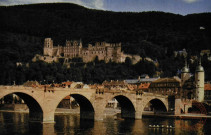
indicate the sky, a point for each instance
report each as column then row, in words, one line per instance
column 182, row 7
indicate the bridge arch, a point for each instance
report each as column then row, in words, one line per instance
column 158, row 104
column 35, row 109
column 86, row 107
column 127, row 106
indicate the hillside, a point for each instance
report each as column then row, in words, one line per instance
column 153, row 34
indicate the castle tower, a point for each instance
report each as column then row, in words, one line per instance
column 199, row 80
column 48, row 47
column 118, row 52
column 185, row 73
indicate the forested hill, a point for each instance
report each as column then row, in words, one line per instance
column 153, row 34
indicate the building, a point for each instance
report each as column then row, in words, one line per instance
column 142, row 82
column 65, row 103
column 115, row 85
column 207, row 92
column 166, row 86
column 74, row 49
column 141, row 79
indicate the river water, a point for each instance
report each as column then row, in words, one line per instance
column 70, row 124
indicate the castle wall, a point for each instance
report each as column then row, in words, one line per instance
column 104, row 51
column 48, row 51
column 72, row 49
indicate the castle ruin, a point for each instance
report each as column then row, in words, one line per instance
column 74, row 49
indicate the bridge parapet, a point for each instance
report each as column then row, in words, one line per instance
column 155, row 95
column 19, row 87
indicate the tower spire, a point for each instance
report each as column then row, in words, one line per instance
column 185, row 69
column 199, row 67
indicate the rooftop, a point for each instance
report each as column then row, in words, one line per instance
column 134, row 81
column 163, row 80
column 207, row 86
column 144, row 86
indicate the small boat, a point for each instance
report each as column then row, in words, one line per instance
column 161, row 126
column 170, row 127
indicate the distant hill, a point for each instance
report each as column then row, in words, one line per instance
column 153, row 34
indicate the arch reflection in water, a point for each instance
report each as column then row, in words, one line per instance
column 35, row 110
column 72, row 124
column 48, row 129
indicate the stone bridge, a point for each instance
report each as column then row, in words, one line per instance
column 42, row 102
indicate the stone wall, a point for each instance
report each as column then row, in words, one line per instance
column 73, row 49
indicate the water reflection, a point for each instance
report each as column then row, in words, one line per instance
column 48, row 129
column 17, row 123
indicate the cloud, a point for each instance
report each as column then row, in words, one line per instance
column 191, row 1
column 96, row 4
column 99, row 4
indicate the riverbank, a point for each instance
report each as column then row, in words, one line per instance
column 113, row 112
column 181, row 116
column 108, row 111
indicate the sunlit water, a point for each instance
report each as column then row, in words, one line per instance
column 17, row 124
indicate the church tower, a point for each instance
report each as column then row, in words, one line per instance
column 48, row 47
column 199, row 81
column 185, row 73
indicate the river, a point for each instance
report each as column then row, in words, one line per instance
column 70, row 124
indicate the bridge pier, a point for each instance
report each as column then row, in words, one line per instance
column 99, row 113
column 48, row 129
column 139, row 108
column 138, row 115
column 99, row 116
column 177, row 107
column 48, row 117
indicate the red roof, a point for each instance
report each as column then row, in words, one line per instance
column 56, row 85
column 144, row 86
column 67, row 83
column 207, row 86
column 67, row 97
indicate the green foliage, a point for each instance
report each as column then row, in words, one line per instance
column 92, row 72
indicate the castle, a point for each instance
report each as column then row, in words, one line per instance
column 74, row 49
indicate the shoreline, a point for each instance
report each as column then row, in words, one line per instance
column 182, row 116
column 113, row 112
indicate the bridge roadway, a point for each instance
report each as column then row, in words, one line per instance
column 42, row 102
